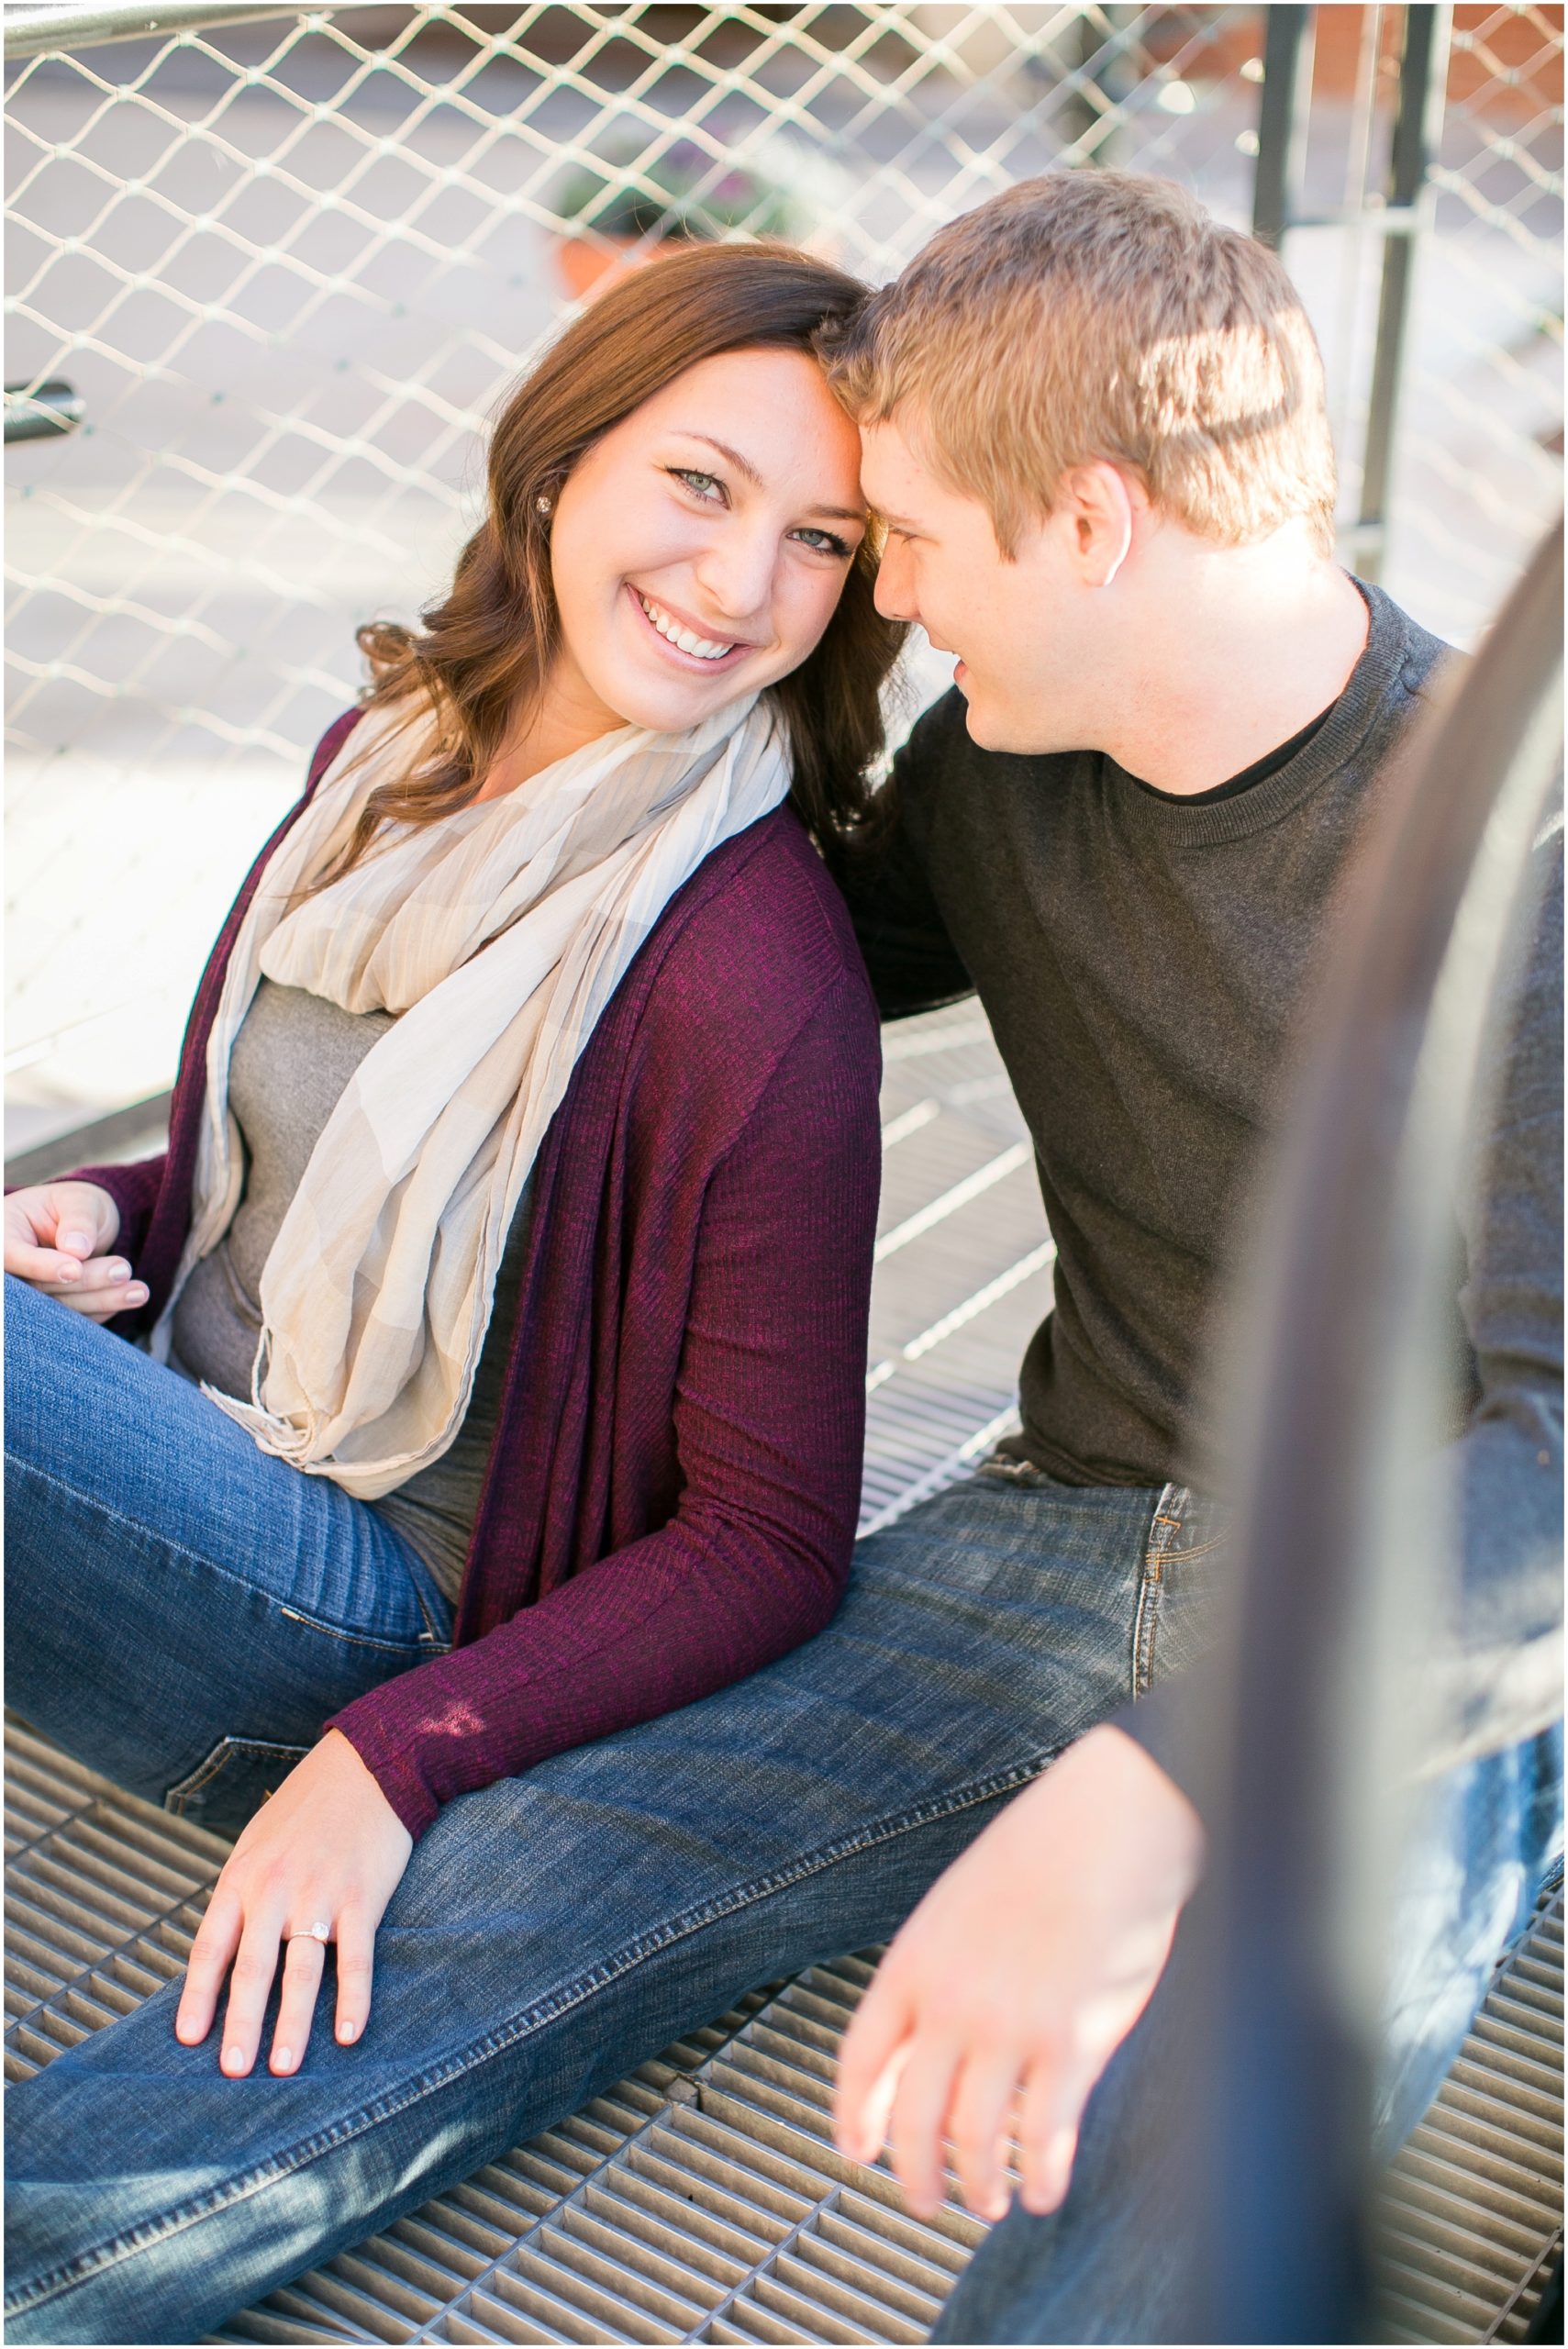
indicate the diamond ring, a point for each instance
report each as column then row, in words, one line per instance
column 317, row 1932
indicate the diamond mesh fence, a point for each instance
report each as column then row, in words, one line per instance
column 288, row 261
column 1481, row 466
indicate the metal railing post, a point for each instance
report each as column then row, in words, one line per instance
column 1423, row 79
column 1282, row 120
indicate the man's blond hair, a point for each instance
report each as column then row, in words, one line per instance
column 1101, row 315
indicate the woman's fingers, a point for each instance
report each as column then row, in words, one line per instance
column 217, row 1938
column 975, row 2125
column 356, row 1959
column 102, row 1287
column 305, row 1961
column 249, row 1985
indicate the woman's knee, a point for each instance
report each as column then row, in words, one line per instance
column 47, row 1370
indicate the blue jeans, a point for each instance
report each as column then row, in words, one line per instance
column 183, row 1612
column 552, row 1930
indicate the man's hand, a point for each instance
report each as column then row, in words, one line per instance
column 328, row 1850
column 1017, row 1976
column 57, row 1238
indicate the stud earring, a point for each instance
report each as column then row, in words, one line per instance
column 543, row 504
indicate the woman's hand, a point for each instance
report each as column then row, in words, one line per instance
column 57, row 1238
column 1020, row 1974
column 327, row 1850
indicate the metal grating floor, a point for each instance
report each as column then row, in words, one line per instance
column 1472, row 2210
column 700, row 2199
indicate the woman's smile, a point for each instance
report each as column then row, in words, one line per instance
column 679, row 638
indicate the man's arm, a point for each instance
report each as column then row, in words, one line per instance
column 913, row 963
column 1493, row 1662
column 1029, row 1962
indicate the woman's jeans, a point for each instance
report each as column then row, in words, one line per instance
column 185, row 1612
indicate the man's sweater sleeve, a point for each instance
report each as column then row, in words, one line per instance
column 1495, row 1658
column 913, row 963
column 769, row 1417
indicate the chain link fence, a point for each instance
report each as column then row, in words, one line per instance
column 1480, row 474
column 288, row 261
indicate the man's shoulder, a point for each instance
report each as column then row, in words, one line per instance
column 1424, row 662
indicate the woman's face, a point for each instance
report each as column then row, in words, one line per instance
column 699, row 548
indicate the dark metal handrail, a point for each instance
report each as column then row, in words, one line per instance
column 41, row 411
column 1291, row 2090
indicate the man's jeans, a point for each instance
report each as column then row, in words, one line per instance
column 171, row 1587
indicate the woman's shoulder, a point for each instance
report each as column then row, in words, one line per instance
column 761, row 934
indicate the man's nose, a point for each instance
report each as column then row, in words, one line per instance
column 896, row 596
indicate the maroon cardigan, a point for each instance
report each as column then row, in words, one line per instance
column 673, row 1490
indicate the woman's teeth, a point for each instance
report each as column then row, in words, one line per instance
column 702, row 646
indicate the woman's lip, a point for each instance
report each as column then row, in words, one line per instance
column 690, row 660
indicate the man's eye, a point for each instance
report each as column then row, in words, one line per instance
column 706, row 485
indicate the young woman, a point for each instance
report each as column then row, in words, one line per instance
column 501, row 1295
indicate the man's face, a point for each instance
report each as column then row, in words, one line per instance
column 1025, row 630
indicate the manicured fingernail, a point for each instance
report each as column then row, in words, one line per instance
column 282, row 2058
column 70, row 1270
column 233, row 2061
column 136, row 1294
column 118, row 1272
column 82, row 1240
column 347, row 2031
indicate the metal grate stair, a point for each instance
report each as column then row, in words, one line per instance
column 701, row 2199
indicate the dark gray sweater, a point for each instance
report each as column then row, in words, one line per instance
column 1143, row 962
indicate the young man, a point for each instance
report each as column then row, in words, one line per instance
column 1095, row 422
column 1093, row 426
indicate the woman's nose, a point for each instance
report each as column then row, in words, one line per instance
column 736, row 573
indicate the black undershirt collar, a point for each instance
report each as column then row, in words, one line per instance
column 1259, row 771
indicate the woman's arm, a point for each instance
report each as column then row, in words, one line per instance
column 770, row 1415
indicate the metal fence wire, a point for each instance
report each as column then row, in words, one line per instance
column 285, row 263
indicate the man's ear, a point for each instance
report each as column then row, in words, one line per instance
column 1097, row 503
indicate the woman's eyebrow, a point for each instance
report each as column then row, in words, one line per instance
column 744, row 466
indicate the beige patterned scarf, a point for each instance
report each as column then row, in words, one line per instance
column 499, row 934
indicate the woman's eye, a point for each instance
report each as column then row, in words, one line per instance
column 706, row 485
column 823, row 542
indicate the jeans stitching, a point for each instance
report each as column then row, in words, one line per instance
column 1170, row 1513
column 51, row 2286
column 115, row 1517
column 213, row 1762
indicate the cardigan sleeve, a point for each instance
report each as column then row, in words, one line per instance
column 770, row 1414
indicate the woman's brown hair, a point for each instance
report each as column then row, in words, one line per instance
column 485, row 650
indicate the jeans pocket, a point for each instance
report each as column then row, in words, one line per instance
column 231, row 1783
column 1185, row 1572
